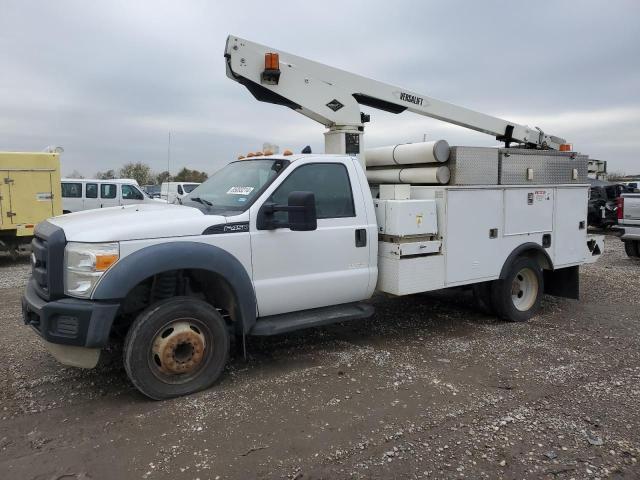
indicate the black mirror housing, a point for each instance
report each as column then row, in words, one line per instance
column 302, row 211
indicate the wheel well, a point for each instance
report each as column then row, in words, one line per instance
column 528, row 250
column 202, row 284
column 540, row 258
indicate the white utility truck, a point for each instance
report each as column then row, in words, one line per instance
column 272, row 244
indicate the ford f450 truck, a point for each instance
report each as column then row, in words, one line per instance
column 275, row 243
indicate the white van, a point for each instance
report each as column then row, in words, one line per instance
column 173, row 191
column 85, row 194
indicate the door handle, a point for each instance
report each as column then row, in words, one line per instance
column 361, row 237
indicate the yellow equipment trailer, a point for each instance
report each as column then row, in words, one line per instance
column 29, row 194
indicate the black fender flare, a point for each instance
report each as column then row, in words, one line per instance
column 154, row 259
column 518, row 251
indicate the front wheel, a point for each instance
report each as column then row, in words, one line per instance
column 176, row 347
column 517, row 297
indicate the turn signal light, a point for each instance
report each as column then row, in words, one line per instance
column 103, row 262
column 566, row 147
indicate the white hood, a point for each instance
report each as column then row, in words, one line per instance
column 135, row 222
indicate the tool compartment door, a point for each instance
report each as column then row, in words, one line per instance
column 30, row 197
column 570, row 230
column 474, row 223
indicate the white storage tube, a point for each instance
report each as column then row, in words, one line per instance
column 408, row 153
column 416, row 175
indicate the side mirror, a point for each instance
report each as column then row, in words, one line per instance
column 301, row 208
column 302, row 211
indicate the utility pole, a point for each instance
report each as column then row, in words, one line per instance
column 169, row 156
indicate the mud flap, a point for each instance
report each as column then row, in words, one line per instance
column 564, row 282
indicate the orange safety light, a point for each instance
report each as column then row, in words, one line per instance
column 251, row 154
column 566, row 147
column 240, row 157
column 259, row 154
column 271, row 61
column 287, row 152
column 271, row 74
column 267, row 153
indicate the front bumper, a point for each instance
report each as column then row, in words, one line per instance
column 69, row 321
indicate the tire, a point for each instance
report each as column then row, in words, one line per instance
column 632, row 248
column 176, row 347
column 482, row 296
column 517, row 297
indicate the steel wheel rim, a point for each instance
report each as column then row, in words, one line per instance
column 524, row 289
column 179, row 350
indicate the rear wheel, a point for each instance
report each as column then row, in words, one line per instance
column 632, row 248
column 517, row 297
column 176, row 347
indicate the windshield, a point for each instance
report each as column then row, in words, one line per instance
column 189, row 187
column 233, row 188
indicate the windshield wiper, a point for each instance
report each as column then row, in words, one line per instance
column 201, row 200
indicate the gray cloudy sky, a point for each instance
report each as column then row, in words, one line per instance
column 108, row 80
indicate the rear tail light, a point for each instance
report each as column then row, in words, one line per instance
column 620, row 204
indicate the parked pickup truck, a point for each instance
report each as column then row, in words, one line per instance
column 629, row 222
column 277, row 243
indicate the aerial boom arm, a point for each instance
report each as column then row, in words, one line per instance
column 333, row 97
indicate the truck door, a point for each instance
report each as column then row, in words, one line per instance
column 300, row 270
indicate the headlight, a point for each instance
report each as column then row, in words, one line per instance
column 85, row 263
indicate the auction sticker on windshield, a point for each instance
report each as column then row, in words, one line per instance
column 239, row 190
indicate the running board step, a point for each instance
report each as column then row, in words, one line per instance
column 289, row 322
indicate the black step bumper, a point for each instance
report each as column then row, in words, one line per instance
column 69, row 321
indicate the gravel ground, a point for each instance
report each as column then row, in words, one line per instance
column 427, row 388
column 14, row 274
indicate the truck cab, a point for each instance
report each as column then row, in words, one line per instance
column 256, row 229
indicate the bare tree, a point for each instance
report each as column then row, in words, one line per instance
column 106, row 175
column 616, row 176
column 75, row 174
column 141, row 172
